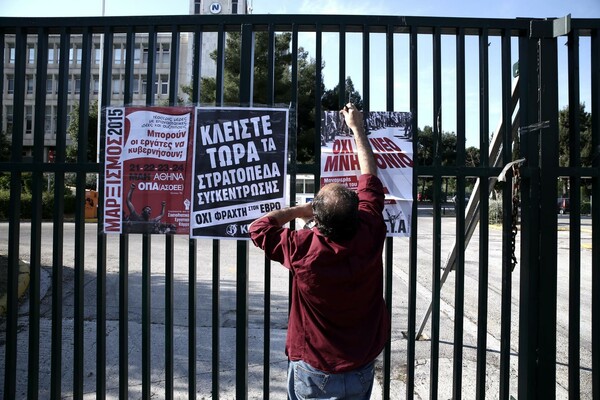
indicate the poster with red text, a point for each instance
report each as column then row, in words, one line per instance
column 390, row 136
column 240, row 164
column 148, row 169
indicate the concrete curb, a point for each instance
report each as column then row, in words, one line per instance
column 21, row 287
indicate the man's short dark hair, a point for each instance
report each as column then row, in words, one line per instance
column 335, row 208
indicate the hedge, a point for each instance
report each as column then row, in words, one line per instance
column 26, row 204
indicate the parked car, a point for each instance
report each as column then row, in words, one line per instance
column 562, row 205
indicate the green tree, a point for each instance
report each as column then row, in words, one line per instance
column 4, row 147
column 73, row 131
column 282, row 86
column 331, row 98
column 565, row 132
column 4, row 156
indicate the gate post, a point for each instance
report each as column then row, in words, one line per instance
column 539, row 145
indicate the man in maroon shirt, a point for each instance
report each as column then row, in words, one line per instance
column 338, row 322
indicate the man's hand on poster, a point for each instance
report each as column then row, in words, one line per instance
column 353, row 117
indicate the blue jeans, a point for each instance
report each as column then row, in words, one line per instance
column 306, row 382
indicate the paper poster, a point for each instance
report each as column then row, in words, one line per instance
column 390, row 136
column 240, row 165
column 148, row 169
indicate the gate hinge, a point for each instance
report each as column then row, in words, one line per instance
column 550, row 28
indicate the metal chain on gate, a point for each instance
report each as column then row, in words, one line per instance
column 516, row 202
column 514, row 166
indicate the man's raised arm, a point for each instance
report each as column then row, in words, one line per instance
column 354, row 120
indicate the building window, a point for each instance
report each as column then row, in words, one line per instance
column 11, row 55
column 234, row 7
column 28, row 119
column 97, row 55
column 9, row 119
column 51, row 56
column 50, row 85
column 118, row 56
column 31, row 55
column 136, row 55
column 116, row 85
column 95, row 84
column 70, row 86
column 166, row 53
column 144, row 86
column 79, row 55
column 164, row 84
column 77, row 84
column 196, row 7
column 30, row 84
column 145, row 56
column 10, row 87
column 136, row 85
column 48, row 128
column 71, row 55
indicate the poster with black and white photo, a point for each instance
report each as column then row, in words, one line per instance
column 240, row 166
column 390, row 136
column 147, row 169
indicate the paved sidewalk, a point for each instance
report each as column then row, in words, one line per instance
column 22, row 286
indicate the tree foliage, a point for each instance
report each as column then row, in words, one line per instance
column 4, row 147
column 585, row 136
column 330, row 101
column 73, row 131
column 282, row 88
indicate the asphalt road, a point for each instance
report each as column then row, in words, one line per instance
column 279, row 306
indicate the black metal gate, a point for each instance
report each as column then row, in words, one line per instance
column 122, row 60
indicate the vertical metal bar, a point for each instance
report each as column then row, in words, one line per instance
column 529, row 303
column 595, row 112
column 548, row 222
column 151, row 69
column 79, row 280
column 366, row 66
column 293, row 129
column 267, row 262
column 246, row 95
column 147, row 241
column 506, row 302
column 128, row 80
column 106, row 46
column 459, row 294
column 437, row 222
column 146, row 315
column 574, row 219
column 169, row 275
column 483, row 221
column 10, row 361
column 123, row 317
column 342, row 67
column 192, row 307
column 101, row 281
column 267, row 331
column 196, row 65
column 216, row 318
column 216, row 278
column 412, row 271
column 193, row 243
column 220, row 65
column 58, row 214
column 318, row 94
column 169, row 240
column 36, row 216
column 174, row 66
column 389, row 243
